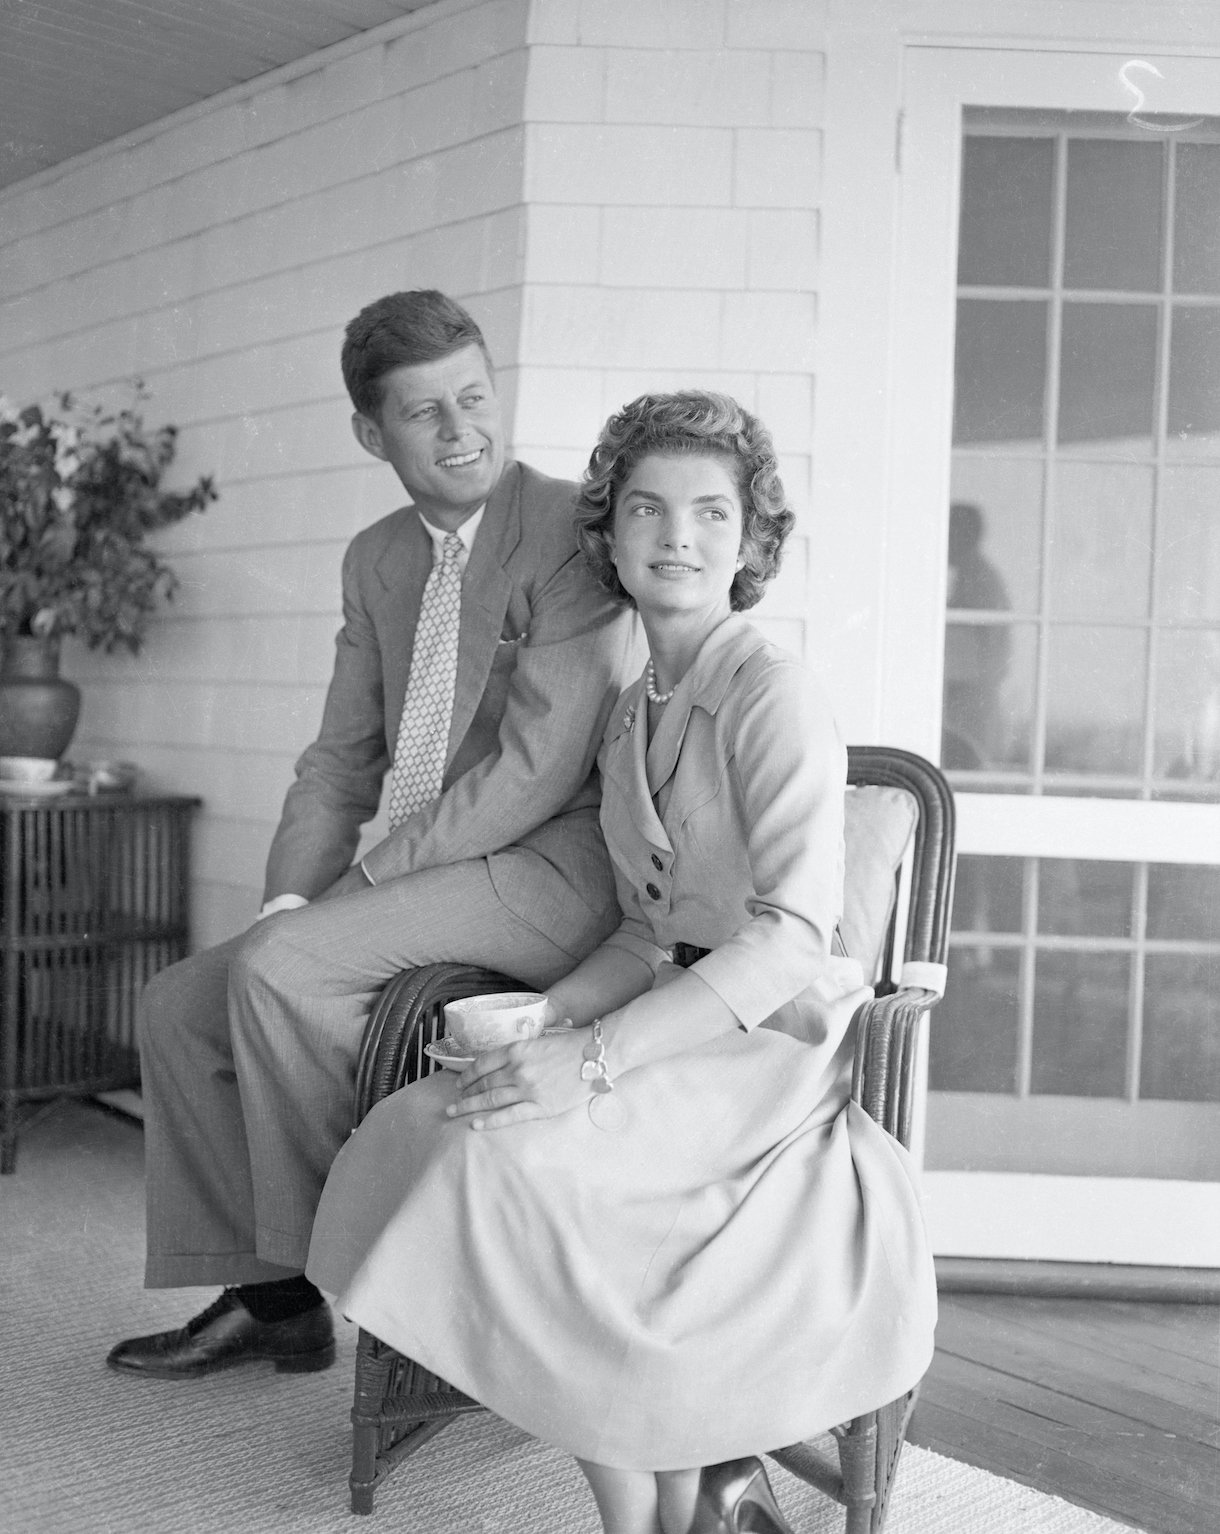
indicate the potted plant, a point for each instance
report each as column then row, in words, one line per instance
column 80, row 490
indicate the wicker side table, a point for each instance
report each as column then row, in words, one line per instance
column 93, row 901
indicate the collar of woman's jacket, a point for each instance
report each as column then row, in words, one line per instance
column 721, row 656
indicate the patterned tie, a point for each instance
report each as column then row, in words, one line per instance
column 427, row 709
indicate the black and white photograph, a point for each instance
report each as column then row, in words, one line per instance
column 609, row 766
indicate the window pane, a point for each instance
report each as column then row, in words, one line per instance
column 1194, row 382
column 1196, row 218
column 987, row 895
column 1005, row 236
column 1101, row 541
column 1113, row 233
column 1188, row 552
column 1184, row 902
column 1095, row 699
column 1106, row 376
column 988, row 700
column 1080, row 1024
column 999, row 371
column 1085, row 899
column 1181, row 1054
column 1008, row 495
column 1187, row 707
column 972, row 1044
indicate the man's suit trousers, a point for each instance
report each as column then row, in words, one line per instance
column 248, row 1053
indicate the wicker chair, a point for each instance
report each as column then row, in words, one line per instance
column 399, row 1405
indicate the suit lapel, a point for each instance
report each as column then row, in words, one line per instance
column 650, row 824
column 666, row 742
column 626, row 761
column 723, row 653
column 486, row 588
column 403, row 570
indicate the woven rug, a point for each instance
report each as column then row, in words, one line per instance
column 85, row 1451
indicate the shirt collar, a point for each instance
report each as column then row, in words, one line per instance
column 466, row 533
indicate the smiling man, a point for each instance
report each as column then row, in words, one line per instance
column 476, row 666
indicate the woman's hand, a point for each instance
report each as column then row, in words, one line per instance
column 536, row 1079
column 554, row 1017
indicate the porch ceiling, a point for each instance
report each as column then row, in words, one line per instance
column 77, row 73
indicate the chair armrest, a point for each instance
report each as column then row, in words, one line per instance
column 409, row 1013
column 887, row 1038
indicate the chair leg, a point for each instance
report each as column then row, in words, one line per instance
column 362, row 1494
column 383, row 1434
column 869, row 1450
column 415, row 1437
column 858, row 1464
column 892, row 1423
column 372, row 1383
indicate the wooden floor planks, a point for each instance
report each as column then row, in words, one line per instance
column 1167, row 1391
column 1114, row 1405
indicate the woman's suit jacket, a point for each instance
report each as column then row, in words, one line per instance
column 727, row 832
column 543, row 652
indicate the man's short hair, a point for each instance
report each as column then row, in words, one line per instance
column 402, row 330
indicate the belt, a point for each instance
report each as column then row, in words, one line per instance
column 686, row 954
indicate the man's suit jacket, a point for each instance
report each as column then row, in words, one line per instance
column 542, row 655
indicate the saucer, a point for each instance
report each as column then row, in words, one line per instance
column 48, row 788
column 444, row 1053
column 440, row 1052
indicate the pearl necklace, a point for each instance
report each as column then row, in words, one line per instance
column 650, row 687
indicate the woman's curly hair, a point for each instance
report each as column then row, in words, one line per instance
column 695, row 422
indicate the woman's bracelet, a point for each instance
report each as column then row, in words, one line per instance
column 594, row 1069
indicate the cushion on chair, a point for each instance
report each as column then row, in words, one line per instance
column 878, row 823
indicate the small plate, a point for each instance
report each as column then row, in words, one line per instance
column 441, row 1054
column 49, row 788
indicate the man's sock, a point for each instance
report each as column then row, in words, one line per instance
column 280, row 1299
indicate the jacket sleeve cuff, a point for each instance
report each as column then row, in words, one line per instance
column 648, row 953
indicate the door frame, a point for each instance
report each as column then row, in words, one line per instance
column 1129, row 1220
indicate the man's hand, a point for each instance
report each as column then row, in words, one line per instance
column 536, row 1079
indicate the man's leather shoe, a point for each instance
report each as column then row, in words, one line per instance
column 226, row 1334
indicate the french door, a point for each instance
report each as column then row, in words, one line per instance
column 1057, row 407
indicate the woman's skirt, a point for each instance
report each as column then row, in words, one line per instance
column 739, row 1265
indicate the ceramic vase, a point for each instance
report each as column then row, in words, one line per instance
column 38, row 708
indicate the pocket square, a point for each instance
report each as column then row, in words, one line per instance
column 513, row 638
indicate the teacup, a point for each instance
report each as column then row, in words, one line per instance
column 28, row 769
column 478, row 1023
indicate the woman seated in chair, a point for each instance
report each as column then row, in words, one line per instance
column 666, row 1239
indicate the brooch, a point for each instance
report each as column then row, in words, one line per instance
column 629, row 720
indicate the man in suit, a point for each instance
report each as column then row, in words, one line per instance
column 477, row 664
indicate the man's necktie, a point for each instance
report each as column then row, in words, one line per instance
column 423, row 731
